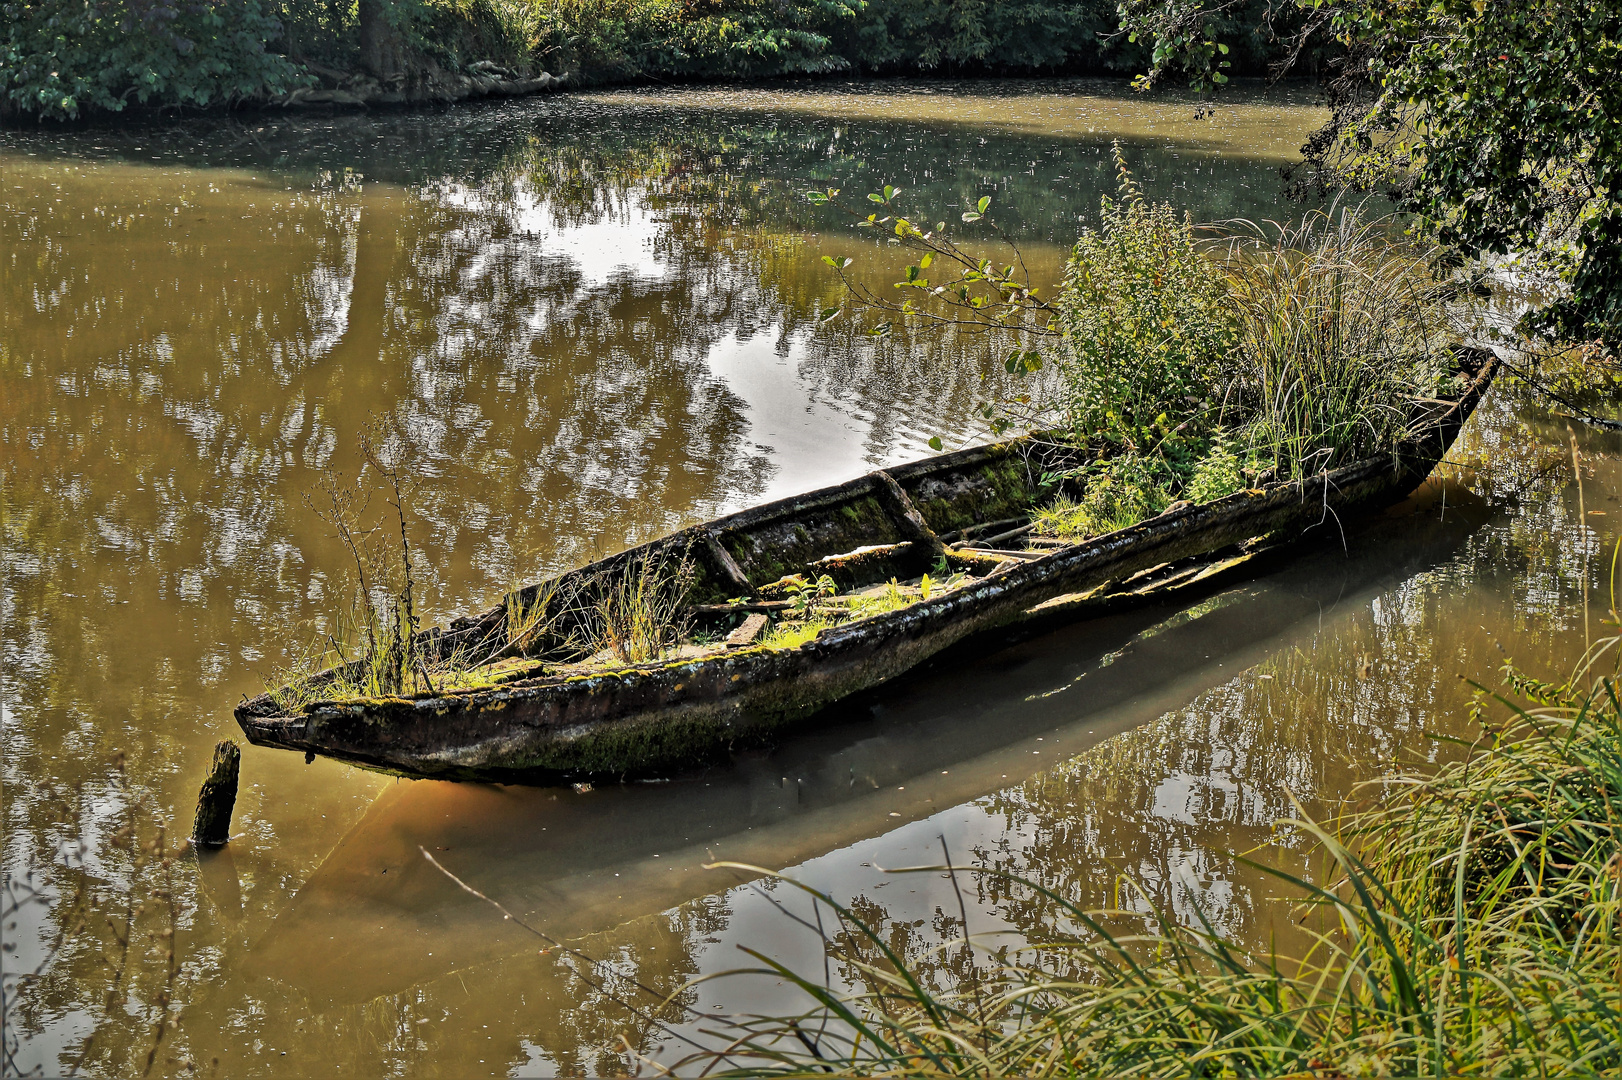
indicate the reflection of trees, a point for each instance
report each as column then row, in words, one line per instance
column 1162, row 804
column 498, row 1016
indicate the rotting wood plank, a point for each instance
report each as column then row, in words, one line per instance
column 746, row 633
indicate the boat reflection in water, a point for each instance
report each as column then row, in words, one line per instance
column 376, row 918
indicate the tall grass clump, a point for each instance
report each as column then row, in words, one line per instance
column 637, row 612
column 1466, row 924
column 1341, row 328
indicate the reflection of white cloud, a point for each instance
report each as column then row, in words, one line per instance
column 617, row 244
column 604, row 251
column 811, row 442
column 328, row 289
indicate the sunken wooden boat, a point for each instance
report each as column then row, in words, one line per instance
column 531, row 712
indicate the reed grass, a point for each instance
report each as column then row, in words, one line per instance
column 1468, row 927
column 637, row 613
column 1341, row 329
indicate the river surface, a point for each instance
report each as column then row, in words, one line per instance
column 596, row 314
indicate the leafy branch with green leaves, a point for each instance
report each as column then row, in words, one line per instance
column 970, row 291
column 1497, row 123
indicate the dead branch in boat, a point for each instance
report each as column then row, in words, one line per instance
column 991, row 542
column 970, row 530
column 386, row 449
column 748, row 608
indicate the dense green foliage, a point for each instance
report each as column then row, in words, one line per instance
column 1509, row 116
column 1146, row 323
column 726, row 38
column 58, row 57
column 1188, row 364
column 1196, row 366
column 1500, row 123
column 1470, row 928
column 605, row 40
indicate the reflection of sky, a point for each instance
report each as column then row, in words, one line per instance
column 812, row 440
column 615, row 244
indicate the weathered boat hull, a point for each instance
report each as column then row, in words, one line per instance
column 655, row 718
column 581, row 865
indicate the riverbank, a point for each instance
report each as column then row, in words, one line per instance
column 62, row 64
column 1463, row 921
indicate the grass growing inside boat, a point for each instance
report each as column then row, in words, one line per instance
column 1195, row 367
column 637, row 614
column 787, row 635
column 1341, row 330
column 1470, row 928
column 823, row 608
column 372, row 646
column 1119, row 492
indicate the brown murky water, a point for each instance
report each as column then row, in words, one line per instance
column 597, row 314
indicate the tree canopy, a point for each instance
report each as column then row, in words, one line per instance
column 1496, row 121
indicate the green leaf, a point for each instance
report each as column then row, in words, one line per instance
column 985, row 201
column 970, row 216
column 935, row 443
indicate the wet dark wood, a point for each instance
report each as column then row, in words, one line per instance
column 218, row 798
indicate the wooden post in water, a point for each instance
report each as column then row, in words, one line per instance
column 218, row 797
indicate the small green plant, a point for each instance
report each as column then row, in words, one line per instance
column 1119, row 492
column 890, row 598
column 1219, row 473
column 805, row 594
column 787, row 635
column 1147, row 325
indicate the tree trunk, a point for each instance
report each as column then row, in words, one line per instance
column 382, row 46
